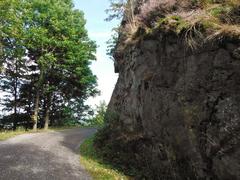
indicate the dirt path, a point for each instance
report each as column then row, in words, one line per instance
column 44, row 156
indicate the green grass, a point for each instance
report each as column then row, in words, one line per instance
column 95, row 165
column 8, row 134
column 4, row 135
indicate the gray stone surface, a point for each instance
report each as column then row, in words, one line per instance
column 184, row 104
column 44, row 156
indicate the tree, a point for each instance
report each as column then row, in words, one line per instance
column 12, row 53
column 51, row 35
column 116, row 9
column 58, row 43
column 125, row 11
column 100, row 114
column 11, row 82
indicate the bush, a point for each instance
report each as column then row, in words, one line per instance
column 19, row 120
column 99, row 118
column 93, row 162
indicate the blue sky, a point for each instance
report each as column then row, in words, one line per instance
column 99, row 31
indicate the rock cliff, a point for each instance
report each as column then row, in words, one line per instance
column 175, row 111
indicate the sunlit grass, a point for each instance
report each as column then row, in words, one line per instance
column 4, row 135
column 95, row 165
column 9, row 134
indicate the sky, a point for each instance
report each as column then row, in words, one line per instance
column 99, row 31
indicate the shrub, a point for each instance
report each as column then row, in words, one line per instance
column 99, row 118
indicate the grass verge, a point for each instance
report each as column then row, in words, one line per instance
column 9, row 134
column 95, row 165
column 4, row 135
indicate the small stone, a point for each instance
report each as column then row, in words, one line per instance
column 236, row 53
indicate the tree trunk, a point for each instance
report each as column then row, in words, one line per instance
column 46, row 119
column 47, row 111
column 15, row 105
column 15, row 89
column 29, row 109
column 36, row 109
column 37, row 100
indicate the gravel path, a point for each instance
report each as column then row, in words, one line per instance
column 44, row 156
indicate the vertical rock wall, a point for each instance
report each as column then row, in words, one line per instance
column 176, row 112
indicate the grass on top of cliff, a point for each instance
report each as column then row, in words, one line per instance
column 95, row 165
column 196, row 20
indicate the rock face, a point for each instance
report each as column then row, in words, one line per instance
column 175, row 111
column 178, row 110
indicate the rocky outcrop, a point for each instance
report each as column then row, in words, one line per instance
column 180, row 108
column 175, row 112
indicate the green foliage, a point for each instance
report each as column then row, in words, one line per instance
column 70, row 123
column 67, row 117
column 174, row 23
column 112, row 42
column 116, row 9
column 57, row 39
column 220, row 10
column 94, row 163
column 99, row 118
column 15, row 121
column 112, row 117
column 46, row 52
column 73, row 114
column 116, row 151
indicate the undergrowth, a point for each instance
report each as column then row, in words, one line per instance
column 95, row 165
column 8, row 134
